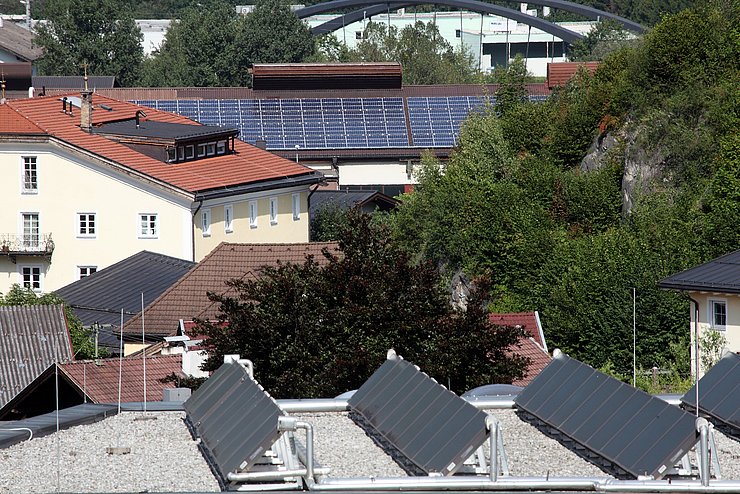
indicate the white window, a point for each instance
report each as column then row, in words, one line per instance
column 86, row 271
column 189, row 152
column 718, row 314
column 221, row 147
column 85, row 224
column 296, row 206
column 148, row 226
column 30, row 175
column 211, row 149
column 31, row 236
column 273, row 210
column 201, row 150
column 228, row 218
column 205, row 219
column 31, row 277
column 253, row 214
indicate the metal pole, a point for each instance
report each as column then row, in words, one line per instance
column 480, row 47
column 120, row 365
column 634, row 338
column 143, row 351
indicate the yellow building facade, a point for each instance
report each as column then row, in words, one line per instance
column 86, row 182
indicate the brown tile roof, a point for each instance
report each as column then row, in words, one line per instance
column 12, row 122
column 559, row 73
column 325, row 69
column 248, row 165
column 537, row 356
column 99, row 379
column 534, row 89
column 19, row 41
column 31, row 339
column 532, row 347
column 187, row 298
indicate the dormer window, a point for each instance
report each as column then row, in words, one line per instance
column 171, row 142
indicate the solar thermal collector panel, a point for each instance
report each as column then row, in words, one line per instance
column 638, row 433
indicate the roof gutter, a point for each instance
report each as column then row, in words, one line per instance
column 309, row 178
column 192, row 230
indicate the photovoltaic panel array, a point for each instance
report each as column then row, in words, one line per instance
column 638, row 433
column 309, row 123
column 234, row 417
column 435, row 121
column 719, row 393
column 431, row 427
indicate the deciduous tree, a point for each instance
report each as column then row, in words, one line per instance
column 99, row 33
column 319, row 330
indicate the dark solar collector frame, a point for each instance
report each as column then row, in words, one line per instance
column 625, row 431
column 719, row 394
column 235, row 418
column 406, row 411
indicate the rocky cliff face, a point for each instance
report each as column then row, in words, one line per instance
column 641, row 166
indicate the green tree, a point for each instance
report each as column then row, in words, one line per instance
column 272, row 33
column 196, row 50
column 99, row 33
column 81, row 342
column 318, row 330
column 426, row 57
column 605, row 38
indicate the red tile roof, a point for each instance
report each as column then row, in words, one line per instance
column 248, row 165
column 187, row 298
column 532, row 347
column 12, row 122
column 99, row 380
column 529, row 321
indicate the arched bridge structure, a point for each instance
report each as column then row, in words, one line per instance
column 371, row 7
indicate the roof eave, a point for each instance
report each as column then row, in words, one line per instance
column 690, row 287
column 308, row 178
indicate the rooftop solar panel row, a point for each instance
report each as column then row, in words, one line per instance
column 639, row 433
column 719, row 392
column 310, row 123
column 429, row 425
column 235, row 418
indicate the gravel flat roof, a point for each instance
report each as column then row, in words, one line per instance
column 165, row 458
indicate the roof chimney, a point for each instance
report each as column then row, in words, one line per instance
column 86, row 106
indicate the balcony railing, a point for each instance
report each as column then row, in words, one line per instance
column 13, row 245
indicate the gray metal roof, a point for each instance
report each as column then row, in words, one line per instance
column 348, row 199
column 73, row 81
column 718, row 275
column 19, row 41
column 163, row 130
column 31, row 339
column 101, row 296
